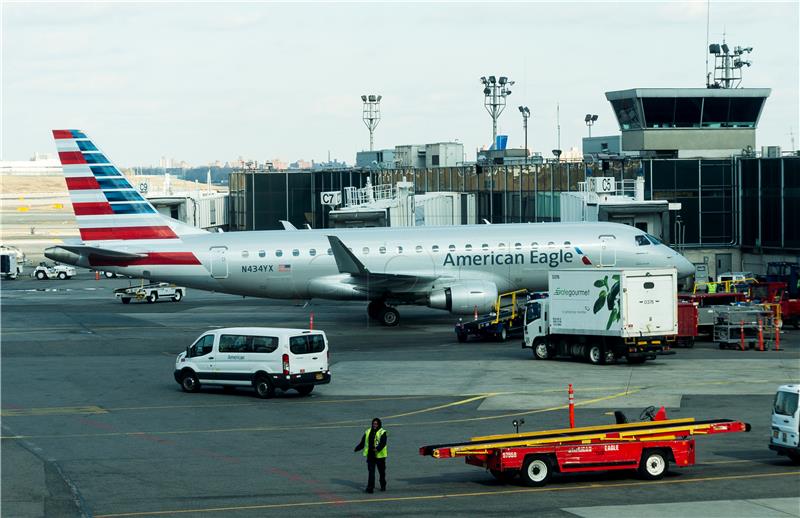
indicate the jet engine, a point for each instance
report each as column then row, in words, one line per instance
column 462, row 298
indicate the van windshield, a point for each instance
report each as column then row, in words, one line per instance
column 307, row 344
column 785, row 403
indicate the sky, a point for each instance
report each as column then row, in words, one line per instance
column 205, row 81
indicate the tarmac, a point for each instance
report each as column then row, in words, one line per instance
column 93, row 423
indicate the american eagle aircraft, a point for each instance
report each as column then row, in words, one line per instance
column 458, row 269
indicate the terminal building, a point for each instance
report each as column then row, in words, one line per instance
column 704, row 189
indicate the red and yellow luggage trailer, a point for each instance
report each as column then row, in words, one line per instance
column 647, row 447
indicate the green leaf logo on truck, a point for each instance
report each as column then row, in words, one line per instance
column 608, row 298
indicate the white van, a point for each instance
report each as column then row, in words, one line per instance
column 785, row 438
column 265, row 358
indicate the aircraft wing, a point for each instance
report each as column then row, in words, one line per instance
column 371, row 282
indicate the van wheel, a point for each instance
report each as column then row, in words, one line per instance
column 152, row 298
column 109, row 275
column 126, row 300
column 62, row 275
column 540, row 350
column 536, row 471
column 41, row 275
column 653, row 465
column 264, row 388
column 178, row 296
column 305, row 390
column 189, row 382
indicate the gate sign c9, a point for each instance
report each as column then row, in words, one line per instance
column 331, row 198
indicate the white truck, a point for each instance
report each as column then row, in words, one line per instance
column 9, row 267
column 151, row 292
column 785, row 438
column 54, row 271
column 603, row 315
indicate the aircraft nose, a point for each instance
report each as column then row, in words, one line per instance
column 685, row 268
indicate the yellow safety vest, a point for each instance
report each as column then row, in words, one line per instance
column 381, row 454
column 712, row 287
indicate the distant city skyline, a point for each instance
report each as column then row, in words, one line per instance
column 204, row 81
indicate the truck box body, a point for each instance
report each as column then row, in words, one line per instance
column 614, row 302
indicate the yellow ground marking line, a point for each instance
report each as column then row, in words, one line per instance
column 439, row 407
column 326, row 426
column 448, row 495
column 64, row 410
column 17, row 412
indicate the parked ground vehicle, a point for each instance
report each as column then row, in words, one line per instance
column 264, row 358
column 785, row 438
column 788, row 272
column 151, row 292
column 687, row 324
column 605, row 314
column 9, row 268
column 709, row 305
column 775, row 292
column 59, row 271
column 647, row 447
column 506, row 319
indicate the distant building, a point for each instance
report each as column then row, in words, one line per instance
column 378, row 159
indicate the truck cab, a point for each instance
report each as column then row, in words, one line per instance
column 536, row 326
column 785, row 437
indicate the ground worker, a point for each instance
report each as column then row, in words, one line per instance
column 373, row 444
column 712, row 287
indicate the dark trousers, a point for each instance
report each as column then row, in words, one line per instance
column 381, row 463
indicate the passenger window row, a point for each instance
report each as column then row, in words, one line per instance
column 419, row 248
column 247, row 344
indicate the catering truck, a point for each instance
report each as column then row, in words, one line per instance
column 603, row 315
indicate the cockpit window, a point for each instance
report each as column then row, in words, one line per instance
column 641, row 240
column 653, row 239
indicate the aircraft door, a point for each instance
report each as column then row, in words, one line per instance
column 219, row 262
column 608, row 250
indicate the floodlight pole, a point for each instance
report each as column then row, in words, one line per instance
column 371, row 115
column 495, row 91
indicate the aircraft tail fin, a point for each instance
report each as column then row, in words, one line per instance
column 108, row 209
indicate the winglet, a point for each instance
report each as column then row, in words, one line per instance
column 346, row 261
column 287, row 225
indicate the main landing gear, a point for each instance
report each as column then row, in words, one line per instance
column 386, row 315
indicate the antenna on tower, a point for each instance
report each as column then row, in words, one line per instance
column 728, row 65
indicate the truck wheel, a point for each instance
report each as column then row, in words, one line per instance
column 389, row 316
column 305, row 390
column 189, row 382
column 109, row 275
column 540, row 350
column 62, row 275
column 653, row 465
column 595, row 354
column 608, row 356
column 794, row 456
column 461, row 336
column 126, row 300
column 264, row 388
column 152, row 298
column 178, row 296
column 41, row 275
column 502, row 332
column 536, row 471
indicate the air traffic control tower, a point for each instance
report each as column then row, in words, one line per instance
column 688, row 122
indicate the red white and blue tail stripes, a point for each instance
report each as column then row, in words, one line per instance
column 106, row 206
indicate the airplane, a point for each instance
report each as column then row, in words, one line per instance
column 460, row 269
